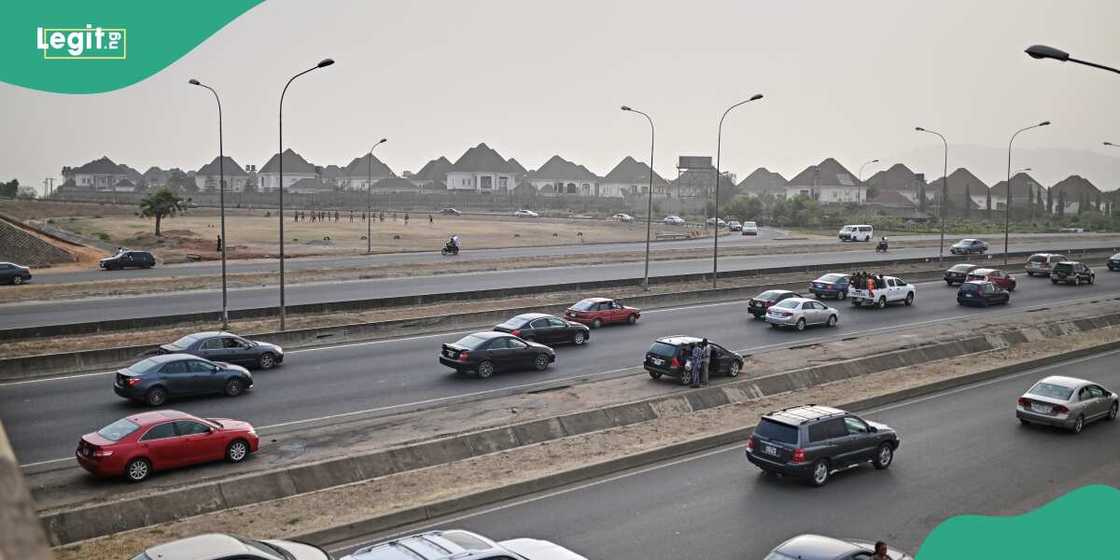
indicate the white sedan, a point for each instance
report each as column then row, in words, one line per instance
column 800, row 313
column 526, row 214
column 673, row 221
column 621, row 217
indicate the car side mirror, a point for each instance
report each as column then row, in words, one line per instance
column 872, row 429
column 215, row 369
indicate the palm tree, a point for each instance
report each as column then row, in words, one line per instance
column 160, row 204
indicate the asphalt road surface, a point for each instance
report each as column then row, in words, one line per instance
column 42, row 313
column 962, row 452
column 45, row 418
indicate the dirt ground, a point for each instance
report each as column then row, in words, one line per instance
column 291, row 517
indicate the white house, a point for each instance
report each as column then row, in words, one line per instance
column 208, row 176
column 481, row 169
column 295, row 168
column 762, row 182
column 629, row 177
column 827, row 182
column 100, row 174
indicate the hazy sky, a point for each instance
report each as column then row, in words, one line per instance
column 533, row 79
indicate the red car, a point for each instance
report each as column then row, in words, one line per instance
column 995, row 276
column 596, row 312
column 137, row 445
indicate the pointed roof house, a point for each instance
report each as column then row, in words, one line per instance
column 100, row 166
column 516, row 165
column 897, row 177
column 1075, row 189
column 762, row 181
column 481, row 159
column 228, row 166
column 826, row 173
column 961, row 181
column 293, row 163
column 434, row 170
column 560, row 169
column 1024, row 189
column 630, row 171
column 359, row 168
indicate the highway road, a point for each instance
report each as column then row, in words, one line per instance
column 44, row 418
column 962, row 452
column 40, row 313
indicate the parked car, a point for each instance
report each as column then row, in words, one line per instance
column 1114, row 262
column 712, row 221
column 982, row 293
column 673, row 221
column 995, row 276
column 598, row 311
column 813, row 442
column 137, row 445
column 450, row 212
column 1072, row 272
column 462, row 545
column 750, row 228
column 1042, row 263
column 758, row 305
column 831, row 285
column 523, row 213
column 487, row 352
column 544, row 328
column 1066, row 402
column 862, row 232
column 622, row 217
column 158, row 378
column 668, row 354
column 13, row 273
column 816, row 547
column 220, row 346
column 734, row 225
column 128, row 259
column 800, row 313
column 217, row 546
column 891, row 290
column 958, row 273
column 969, row 247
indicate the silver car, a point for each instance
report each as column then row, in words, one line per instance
column 462, row 545
column 816, row 547
column 1066, row 402
column 218, row 546
column 801, row 312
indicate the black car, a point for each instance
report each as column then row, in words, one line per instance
column 831, row 285
column 812, row 442
column 487, row 352
column 450, row 212
column 668, row 355
column 758, row 305
column 1114, row 262
column 227, row 347
column 128, row 259
column 1072, row 272
column 156, row 379
column 13, row 273
column 982, row 293
column 958, row 273
column 547, row 329
column 969, row 247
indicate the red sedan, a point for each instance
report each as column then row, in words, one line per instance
column 596, row 312
column 995, row 276
column 137, row 445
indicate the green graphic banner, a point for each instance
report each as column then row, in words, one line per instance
column 89, row 46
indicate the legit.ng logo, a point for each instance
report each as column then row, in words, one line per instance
column 83, row 43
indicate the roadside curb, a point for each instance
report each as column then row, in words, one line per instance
column 431, row 511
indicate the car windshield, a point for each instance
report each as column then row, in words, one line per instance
column 776, row 431
column 186, row 341
column 471, row 341
column 270, row 550
column 585, row 305
column 788, row 304
column 118, row 429
column 961, row 268
column 749, row 224
column 1036, row 258
column 663, row 349
column 1051, row 390
column 831, row 278
column 144, row 366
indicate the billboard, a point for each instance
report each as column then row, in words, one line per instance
column 694, row 162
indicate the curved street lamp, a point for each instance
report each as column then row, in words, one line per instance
column 649, row 207
column 944, row 191
column 221, row 201
column 1039, row 52
column 369, row 199
column 1007, row 209
column 859, row 177
column 715, row 235
column 322, row 64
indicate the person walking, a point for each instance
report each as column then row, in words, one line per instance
column 430, row 220
column 697, row 360
column 219, row 249
column 705, row 362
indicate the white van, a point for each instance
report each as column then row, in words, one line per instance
column 857, row 233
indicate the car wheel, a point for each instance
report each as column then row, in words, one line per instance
column 949, row 283
column 266, row 360
column 17, row 280
column 579, row 338
column 596, row 323
column 734, row 368
column 541, row 362
column 832, row 320
column 237, row 451
column 156, row 396
column 910, row 298
column 686, row 378
column 1076, row 280
column 882, row 302
column 1079, row 424
column 1092, row 278
column 137, row 470
column 655, row 374
column 485, row 369
column 1113, row 411
column 234, row 387
column 1053, row 281
column 800, row 325
column 883, row 457
column 818, row 475
column 632, row 319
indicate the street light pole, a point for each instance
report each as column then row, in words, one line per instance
column 1007, row 209
column 369, row 198
column 221, row 202
column 715, row 235
column 944, row 191
column 1039, row 52
column 649, row 205
column 322, row 64
column 860, row 178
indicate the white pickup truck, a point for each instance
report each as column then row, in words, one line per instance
column 893, row 290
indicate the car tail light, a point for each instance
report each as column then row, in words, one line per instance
column 676, row 363
column 1024, row 402
column 1059, row 409
column 798, row 456
column 516, row 332
column 98, row 452
column 750, row 444
column 464, row 355
column 133, row 381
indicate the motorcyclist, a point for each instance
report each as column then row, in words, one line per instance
column 883, row 244
column 453, row 244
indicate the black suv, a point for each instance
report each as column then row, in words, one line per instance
column 128, row 259
column 668, row 355
column 1072, row 272
column 812, row 442
column 1114, row 262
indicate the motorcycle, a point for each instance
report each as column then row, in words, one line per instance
column 882, row 248
column 449, row 249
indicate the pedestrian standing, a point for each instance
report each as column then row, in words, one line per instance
column 381, row 217
column 697, row 360
column 406, row 219
column 430, row 220
column 219, row 249
column 705, row 362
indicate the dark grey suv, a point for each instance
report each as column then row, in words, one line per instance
column 1072, row 272
column 812, row 442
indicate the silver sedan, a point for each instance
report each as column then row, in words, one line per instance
column 801, row 312
column 1066, row 402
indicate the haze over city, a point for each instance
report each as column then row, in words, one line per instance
column 841, row 80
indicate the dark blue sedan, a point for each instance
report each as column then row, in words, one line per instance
column 156, row 379
column 831, row 285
